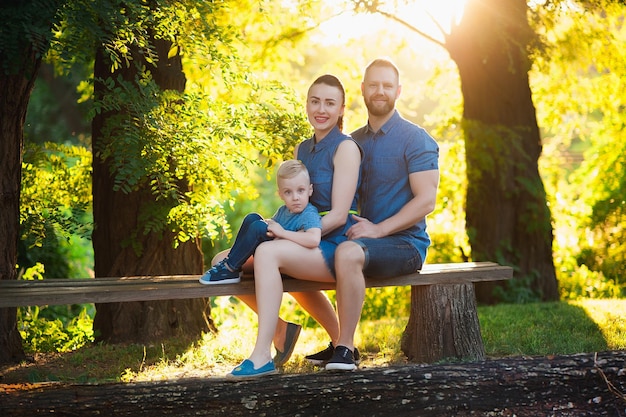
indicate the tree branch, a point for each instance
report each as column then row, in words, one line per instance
column 406, row 24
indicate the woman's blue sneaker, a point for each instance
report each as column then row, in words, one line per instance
column 220, row 274
column 246, row 370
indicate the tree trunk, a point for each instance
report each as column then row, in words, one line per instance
column 19, row 66
column 507, row 216
column 445, row 316
column 117, row 222
column 14, row 95
column 576, row 385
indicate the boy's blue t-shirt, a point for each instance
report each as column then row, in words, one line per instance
column 305, row 220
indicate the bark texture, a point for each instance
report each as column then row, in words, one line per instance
column 507, row 217
column 443, row 324
column 119, row 218
column 576, row 385
column 14, row 95
column 19, row 64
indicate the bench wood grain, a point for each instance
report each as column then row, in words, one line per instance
column 147, row 288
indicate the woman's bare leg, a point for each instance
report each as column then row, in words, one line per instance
column 269, row 295
column 272, row 258
column 250, row 300
column 315, row 303
column 318, row 305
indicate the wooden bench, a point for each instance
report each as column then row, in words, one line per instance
column 443, row 321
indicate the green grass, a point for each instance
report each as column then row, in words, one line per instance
column 508, row 330
column 553, row 328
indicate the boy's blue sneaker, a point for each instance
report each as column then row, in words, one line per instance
column 220, row 274
column 246, row 370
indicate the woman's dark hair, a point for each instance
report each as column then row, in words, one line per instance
column 331, row 80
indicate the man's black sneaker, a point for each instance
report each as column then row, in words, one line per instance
column 322, row 357
column 342, row 360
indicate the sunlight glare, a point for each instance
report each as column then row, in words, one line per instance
column 419, row 14
column 445, row 12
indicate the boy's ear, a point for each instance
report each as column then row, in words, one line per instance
column 310, row 190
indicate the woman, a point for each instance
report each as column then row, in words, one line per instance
column 333, row 160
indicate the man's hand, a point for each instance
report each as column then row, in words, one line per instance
column 363, row 228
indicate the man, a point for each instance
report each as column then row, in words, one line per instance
column 400, row 177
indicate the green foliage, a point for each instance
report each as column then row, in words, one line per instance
column 116, row 25
column 581, row 100
column 52, row 335
column 233, row 123
column 604, row 170
column 446, row 225
column 55, row 214
column 56, row 191
column 48, row 329
column 192, row 150
column 583, row 283
column 26, row 28
column 50, row 254
column 386, row 302
column 55, row 209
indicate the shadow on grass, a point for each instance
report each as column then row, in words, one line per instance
column 93, row 363
column 539, row 329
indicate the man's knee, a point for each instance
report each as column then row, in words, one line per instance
column 349, row 253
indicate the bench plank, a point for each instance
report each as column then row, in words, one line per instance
column 149, row 288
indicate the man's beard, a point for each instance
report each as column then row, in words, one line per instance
column 376, row 110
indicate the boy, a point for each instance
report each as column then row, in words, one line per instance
column 297, row 220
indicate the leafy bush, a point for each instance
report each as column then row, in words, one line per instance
column 52, row 335
column 581, row 282
column 53, row 329
column 386, row 302
column 55, row 210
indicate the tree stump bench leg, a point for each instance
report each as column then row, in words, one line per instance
column 443, row 324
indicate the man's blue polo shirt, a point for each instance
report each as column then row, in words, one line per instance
column 398, row 149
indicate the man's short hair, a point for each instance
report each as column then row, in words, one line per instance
column 383, row 62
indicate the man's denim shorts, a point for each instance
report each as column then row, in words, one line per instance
column 389, row 256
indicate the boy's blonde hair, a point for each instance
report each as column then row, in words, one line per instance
column 290, row 168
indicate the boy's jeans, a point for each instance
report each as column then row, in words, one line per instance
column 252, row 233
